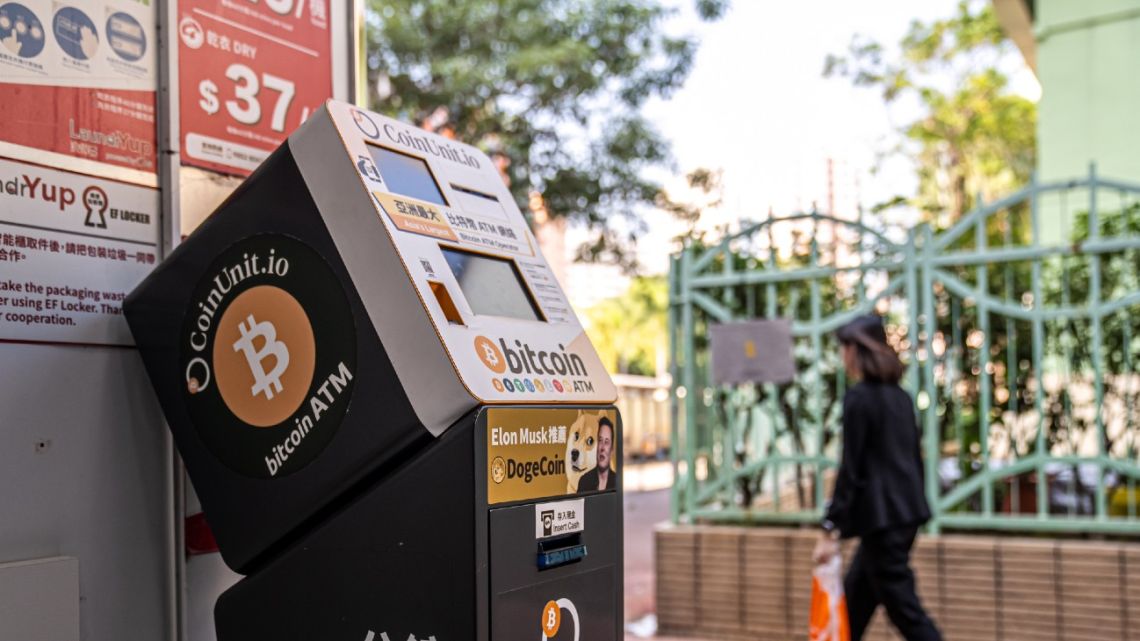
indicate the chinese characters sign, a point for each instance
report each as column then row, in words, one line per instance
column 250, row 72
column 71, row 248
column 424, row 218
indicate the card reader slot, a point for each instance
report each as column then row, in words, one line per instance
column 443, row 297
column 478, row 202
column 472, row 192
column 560, row 542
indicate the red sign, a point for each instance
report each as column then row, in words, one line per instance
column 250, row 72
column 109, row 126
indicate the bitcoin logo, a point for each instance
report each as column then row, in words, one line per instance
column 264, row 356
column 551, row 619
column 270, row 347
column 490, row 355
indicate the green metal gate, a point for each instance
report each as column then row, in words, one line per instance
column 1022, row 358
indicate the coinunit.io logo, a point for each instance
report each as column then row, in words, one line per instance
column 365, row 124
column 269, row 356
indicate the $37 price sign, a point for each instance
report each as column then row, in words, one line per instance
column 251, row 71
column 245, row 107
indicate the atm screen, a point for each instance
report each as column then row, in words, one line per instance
column 492, row 286
column 406, row 175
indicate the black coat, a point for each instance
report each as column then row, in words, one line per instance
column 880, row 482
column 589, row 481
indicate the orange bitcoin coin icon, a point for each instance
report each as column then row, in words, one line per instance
column 490, row 355
column 551, row 619
column 264, row 356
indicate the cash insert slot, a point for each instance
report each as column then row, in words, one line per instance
column 560, row 551
column 450, row 311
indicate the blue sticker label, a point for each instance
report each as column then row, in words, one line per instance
column 126, row 36
column 547, row 560
column 21, row 32
column 75, row 33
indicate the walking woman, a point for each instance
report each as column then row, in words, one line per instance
column 879, row 494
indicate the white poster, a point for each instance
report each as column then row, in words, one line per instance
column 71, row 248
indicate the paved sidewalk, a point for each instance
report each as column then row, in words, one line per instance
column 646, row 488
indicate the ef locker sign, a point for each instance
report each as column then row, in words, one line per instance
column 251, row 71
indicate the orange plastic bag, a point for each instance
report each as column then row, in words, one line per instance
column 828, row 604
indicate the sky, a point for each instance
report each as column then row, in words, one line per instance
column 757, row 107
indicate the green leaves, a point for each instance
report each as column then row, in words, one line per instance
column 973, row 136
column 552, row 85
column 629, row 330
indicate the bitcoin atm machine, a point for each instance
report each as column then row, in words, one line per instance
column 396, row 425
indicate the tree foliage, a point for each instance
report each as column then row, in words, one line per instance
column 972, row 135
column 552, row 89
column 629, row 331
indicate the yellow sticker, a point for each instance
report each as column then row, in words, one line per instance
column 539, row 453
column 416, row 216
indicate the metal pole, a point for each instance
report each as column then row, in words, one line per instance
column 1097, row 348
column 931, row 434
column 674, row 380
column 816, row 400
column 1038, row 356
column 912, row 309
column 170, row 194
column 690, row 383
column 985, row 380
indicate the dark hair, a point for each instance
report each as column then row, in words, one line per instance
column 876, row 359
column 605, row 421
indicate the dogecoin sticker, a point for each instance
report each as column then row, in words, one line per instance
column 269, row 356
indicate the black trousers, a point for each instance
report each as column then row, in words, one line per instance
column 880, row 574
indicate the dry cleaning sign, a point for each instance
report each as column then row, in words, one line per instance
column 268, row 355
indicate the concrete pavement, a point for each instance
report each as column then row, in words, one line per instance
column 647, row 487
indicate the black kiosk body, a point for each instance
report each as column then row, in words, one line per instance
column 395, row 424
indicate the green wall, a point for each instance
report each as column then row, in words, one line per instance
column 1088, row 62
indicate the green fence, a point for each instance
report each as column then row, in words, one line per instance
column 1022, row 357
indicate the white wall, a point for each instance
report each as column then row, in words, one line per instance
column 83, row 473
